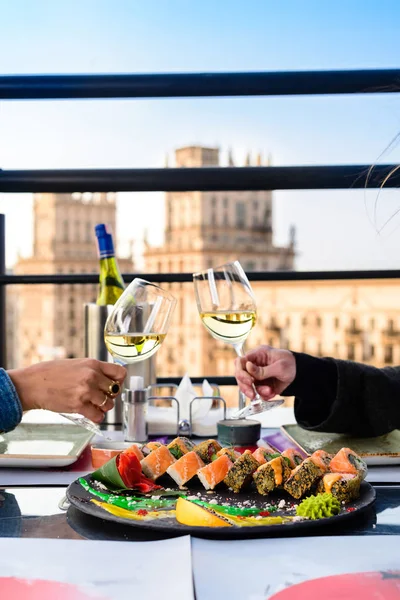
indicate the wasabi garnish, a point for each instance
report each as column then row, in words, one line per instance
column 318, row 507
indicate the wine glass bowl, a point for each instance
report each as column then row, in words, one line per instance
column 138, row 322
column 228, row 310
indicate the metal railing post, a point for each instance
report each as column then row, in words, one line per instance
column 3, row 327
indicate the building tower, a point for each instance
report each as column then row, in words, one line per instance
column 205, row 229
column 50, row 317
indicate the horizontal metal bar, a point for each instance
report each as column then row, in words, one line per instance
column 85, row 278
column 169, row 85
column 197, row 380
column 205, row 179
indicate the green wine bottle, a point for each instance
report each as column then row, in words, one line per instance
column 111, row 283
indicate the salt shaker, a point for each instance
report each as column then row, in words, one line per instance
column 135, row 411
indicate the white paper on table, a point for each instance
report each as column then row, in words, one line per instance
column 267, row 566
column 104, row 570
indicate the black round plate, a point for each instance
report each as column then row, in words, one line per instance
column 80, row 498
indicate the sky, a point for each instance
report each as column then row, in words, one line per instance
column 335, row 229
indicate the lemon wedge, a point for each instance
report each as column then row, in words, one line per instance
column 188, row 513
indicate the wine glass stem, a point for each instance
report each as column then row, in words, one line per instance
column 242, row 397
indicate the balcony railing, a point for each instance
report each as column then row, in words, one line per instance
column 44, row 87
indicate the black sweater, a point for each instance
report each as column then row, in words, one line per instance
column 345, row 397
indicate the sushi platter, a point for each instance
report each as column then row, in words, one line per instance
column 215, row 492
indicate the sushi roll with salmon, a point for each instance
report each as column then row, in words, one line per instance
column 207, row 450
column 347, row 461
column 322, row 459
column 241, row 472
column 185, row 468
column 149, row 447
column 180, row 446
column 134, row 449
column 215, row 472
column 157, row 462
column 303, row 478
column 343, row 486
column 230, row 453
column 263, row 455
column 293, row 457
column 271, row 475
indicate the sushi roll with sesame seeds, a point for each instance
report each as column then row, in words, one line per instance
column 149, row 447
column 230, row 453
column 207, row 450
column 262, row 455
column 322, row 459
column 185, row 468
column 293, row 456
column 271, row 475
column 241, row 472
column 303, row 478
column 343, row 486
column 180, row 446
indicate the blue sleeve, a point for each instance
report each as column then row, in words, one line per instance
column 10, row 405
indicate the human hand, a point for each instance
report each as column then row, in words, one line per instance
column 70, row 386
column 271, row 370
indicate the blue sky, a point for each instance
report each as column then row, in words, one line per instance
column 334, row 230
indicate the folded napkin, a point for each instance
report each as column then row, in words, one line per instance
column 204, row 418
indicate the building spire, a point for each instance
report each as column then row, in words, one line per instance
column 259, row 159
column 230, row 158
column 247, row 162
column 269, row 160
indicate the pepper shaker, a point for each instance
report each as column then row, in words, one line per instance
column 135, row 411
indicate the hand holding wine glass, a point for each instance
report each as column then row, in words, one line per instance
column 228, row 310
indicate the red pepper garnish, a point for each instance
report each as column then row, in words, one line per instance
column 129, row 468
column 351, row 509
column 142, row 512
column 264, row 513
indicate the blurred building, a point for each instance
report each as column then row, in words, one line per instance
column 50, row 317
column 205, row 229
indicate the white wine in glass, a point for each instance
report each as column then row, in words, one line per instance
column 138, row 323
column 228, row 311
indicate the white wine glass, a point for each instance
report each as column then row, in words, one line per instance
column 227, row 308
column 138, row 323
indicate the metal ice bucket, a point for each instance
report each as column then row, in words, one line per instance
column 95, row 320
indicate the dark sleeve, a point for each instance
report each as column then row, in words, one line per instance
column 10, row 406
column 345, row 397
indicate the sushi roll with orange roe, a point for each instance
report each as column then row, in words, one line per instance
column 157, row 462
column 293, row 457
column 185, row 468
column 322, row 459
column 212, row 474
column 343, row 486
column 347, row 461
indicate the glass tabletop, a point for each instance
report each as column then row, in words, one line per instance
column 35, row 512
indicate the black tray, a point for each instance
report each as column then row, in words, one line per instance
column 80, row 499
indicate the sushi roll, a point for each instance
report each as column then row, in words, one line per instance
column 293, row 457
column 240, row 474
column 230, row 453
column 264, row 455
column 215, row 472
column 180, row 446
column 303, row 478
column 134, row 449
column 207, row 450
column 185, row 468
column 157, row 462
column 322, row 459
column 347, row 461
column 149, row 447
column 271, row 475
column 343, row 486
